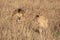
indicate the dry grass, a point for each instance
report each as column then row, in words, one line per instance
column 24, row 24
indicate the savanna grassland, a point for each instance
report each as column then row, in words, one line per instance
column 29, row 19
